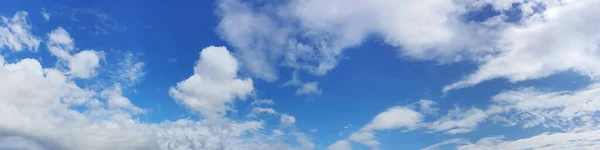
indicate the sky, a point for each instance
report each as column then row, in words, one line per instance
column 299, row 74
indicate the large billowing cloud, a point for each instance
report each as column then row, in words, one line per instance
column 44, row 107
column 312, row 35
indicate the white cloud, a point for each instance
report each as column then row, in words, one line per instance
column 45, row 120
column 309, row 88
column 44, row 108
column 304, row 88
column 428, row 107
column 366, row 138
column 259, row 110
column 561, row 140
column 85, row 63
column 130, row 70
column 117, row 100
column 532, row 106
column 15, row 33
column 459, row 121
column 82, row 64
column 447, row 142
column 45, row 14
column 287, row 120
column 561, row 38
column 214, row 84
column 395, row 117
column 294, row 33
column 340, row 145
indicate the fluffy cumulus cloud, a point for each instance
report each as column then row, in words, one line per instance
column 214, row 84
column 82, row 64
column 45, row 107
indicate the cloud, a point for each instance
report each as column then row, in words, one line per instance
column 130, row 70
column 294, row 35
column 447, row 142
column 393, row 118
column 533, row 107
column 287, row 120
column 259, row 110
column 309, row 88
column 46, row 108
column 108, row 119
column 459, row 121
column 15, row 33
column 428, row 107
column 304, row 88
column 45, row 14
column 82, row 64
column 561, row 38
column 214, row 84
column 561, row 140
column 340, row 145
column 262, row 102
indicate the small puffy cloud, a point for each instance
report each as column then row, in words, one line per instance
column 15, row 33
column 287, row 120
column 214, row 84
column 260, row 110
column 85, row 63
column 395, row 117
column 427, row 106
column 82, row 64
column 309, row 88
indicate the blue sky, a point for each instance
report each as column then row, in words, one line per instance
column 299, row 74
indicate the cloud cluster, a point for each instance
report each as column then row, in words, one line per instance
column 572, row 112
column 44, row 107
